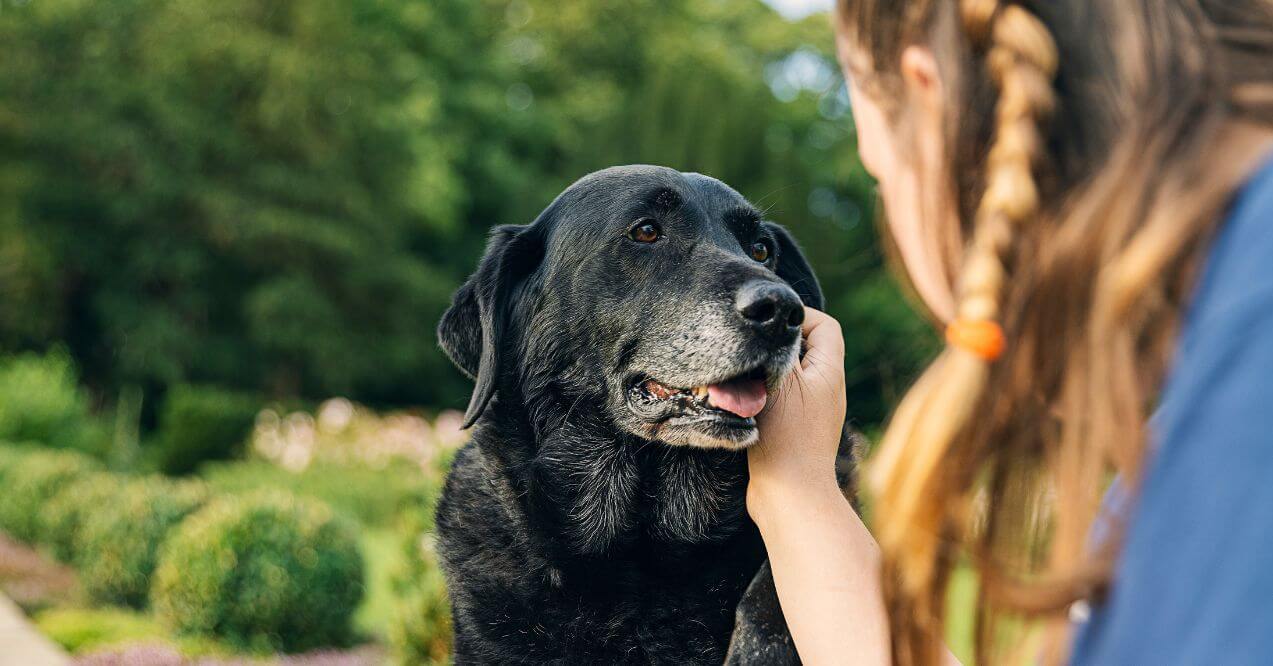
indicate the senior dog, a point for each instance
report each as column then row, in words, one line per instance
column 622, row 345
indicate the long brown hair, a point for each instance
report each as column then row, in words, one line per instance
column 1094, row 145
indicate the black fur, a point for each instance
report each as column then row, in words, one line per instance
column 585, row 523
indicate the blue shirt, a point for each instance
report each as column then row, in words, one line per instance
column 1194, row 582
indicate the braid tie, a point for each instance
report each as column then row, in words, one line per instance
column 912, row 518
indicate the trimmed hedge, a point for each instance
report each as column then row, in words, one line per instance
column 71, row 509
column 265, row 572
column 201, row 423
column 30, row 479
column 11, row 455
column 261, row 571
column 41, row 400
column 119, row 547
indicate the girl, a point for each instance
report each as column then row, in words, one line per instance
column 1081, row 191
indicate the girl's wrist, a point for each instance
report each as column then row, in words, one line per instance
column 771, row 500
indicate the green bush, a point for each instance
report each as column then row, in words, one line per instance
column 72, row 508
column 200, row 423
column 263, row 572
column 30, row 479
column 10, row 456
column 40, row 401
column 117, row 549
column 420, row 625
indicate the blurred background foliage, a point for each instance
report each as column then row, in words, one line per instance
column 275, row 199
column 227, row 232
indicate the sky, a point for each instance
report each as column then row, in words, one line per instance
column 799, row 8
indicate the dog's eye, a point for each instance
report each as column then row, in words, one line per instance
column 760, row 251
column 645, row 231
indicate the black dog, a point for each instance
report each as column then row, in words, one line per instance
column 622, row 345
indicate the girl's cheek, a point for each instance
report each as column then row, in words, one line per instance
column 875, row 140
column 868, row 132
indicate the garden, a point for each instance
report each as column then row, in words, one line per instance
column 301, row 537
column 228, row 230
column 310, row 538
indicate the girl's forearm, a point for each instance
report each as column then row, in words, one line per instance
column 826, row 570
column 825, row 564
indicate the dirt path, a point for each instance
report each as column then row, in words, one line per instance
column 21, row 644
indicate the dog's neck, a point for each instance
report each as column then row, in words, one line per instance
column 610, row 490
column 597, row 491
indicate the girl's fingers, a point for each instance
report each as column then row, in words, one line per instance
column 824, row 339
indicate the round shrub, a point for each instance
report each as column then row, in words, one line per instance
column 10, row 455
column 267, row 572
column 117, row 549
column 74, row 507
column 31, row 479
column 201, row 423
column 41, row 400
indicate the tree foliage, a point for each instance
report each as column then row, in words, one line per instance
column 280, row 196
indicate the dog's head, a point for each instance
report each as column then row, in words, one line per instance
column 660, row 299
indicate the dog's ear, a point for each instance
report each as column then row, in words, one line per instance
column 795, row 269
column 474, row 328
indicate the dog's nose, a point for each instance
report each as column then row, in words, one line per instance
column 771, row 307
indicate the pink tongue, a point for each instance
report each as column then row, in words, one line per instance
column 744, row 397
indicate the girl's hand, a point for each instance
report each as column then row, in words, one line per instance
column 826, row 566
column 800, row 429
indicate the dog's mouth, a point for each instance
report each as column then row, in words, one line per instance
column 712, row 414
column 743, row 396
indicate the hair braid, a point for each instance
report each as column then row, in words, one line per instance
column 978, row 18
column 914, row 519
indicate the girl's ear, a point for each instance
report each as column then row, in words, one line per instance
column 795, row 269
column 474, row 329
column 921, row 77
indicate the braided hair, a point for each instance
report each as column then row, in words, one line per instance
column 1092, row 148
column 1022, row 61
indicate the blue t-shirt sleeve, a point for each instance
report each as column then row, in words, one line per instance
column 1194, row 584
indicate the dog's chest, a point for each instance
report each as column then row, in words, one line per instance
column 671, row 611
column 608, row 558
column 657, row 591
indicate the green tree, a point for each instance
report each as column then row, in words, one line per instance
column 279, row 196
column 731, row 90
column 232, row 192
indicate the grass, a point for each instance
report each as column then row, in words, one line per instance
column 961, row 596
column 382, row 552
column 374, row 497
column 1027, row 640
column 961, row 613
column 84, row 630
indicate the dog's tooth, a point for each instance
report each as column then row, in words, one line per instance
column 657, row 390
column 699, row 391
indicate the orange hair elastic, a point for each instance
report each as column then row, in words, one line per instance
column 980, row 337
